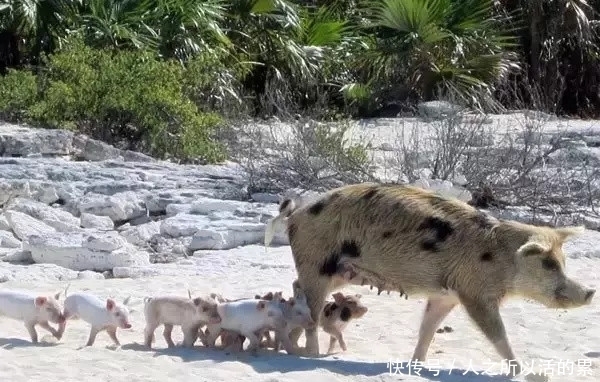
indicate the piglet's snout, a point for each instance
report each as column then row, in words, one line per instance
column 589, row 295
column 126, row 325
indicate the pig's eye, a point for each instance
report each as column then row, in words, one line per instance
column 550, row 264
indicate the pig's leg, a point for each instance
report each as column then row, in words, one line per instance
column 214, row 331
column 315, row 288
column 49, row 328
column 295, row 336
column 149, row 333
column 112, row 333
column 487, row 317
column 282, row 337
column 32, row 332
column 436, row 310
column 167, row 334
column 336, row 334
column 254, row 342
column 332, row 342
column 190, row 335
column 93, row 333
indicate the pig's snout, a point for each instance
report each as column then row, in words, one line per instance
column 214, row 319
column 573, row 295
column 589, row 295
column 126, row 325
column 62, row 319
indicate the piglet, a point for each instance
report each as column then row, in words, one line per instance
column 297, row 314
column 277, row 296
column 337, row 314
column 100, row 314
column 33, row 309
column 247, row 317
column 190, row 314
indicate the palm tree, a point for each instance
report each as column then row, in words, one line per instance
column 436, row 46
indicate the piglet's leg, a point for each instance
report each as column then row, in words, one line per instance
column 167, row 331
column 112, row 332
column 190, row 335
column 337, row 334
column 93, row 333
column 332, row 342
column 32, row 332
column 49, row 328
column 254, row 343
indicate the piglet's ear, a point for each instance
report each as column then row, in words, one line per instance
column 110, row 304
column 261, row 305
column 338, row 297
column 40, row 301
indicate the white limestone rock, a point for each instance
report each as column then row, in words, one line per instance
column 35, row 273
column 141, row 234
column 79, row 251
column 25, row 226
column 121, row 206
column 102, row 223
column 60, row 220
column 8, row 240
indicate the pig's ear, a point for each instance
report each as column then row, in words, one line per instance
column 532, row 248
column 566, row 232
column 261, row 305
column 110, row 304
column 338, row 297
column 197, row 301
column 40, row 301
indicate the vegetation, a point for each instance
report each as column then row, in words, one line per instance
column 161, row 76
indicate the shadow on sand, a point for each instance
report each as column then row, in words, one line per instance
column 270, row 362
column 11, row 343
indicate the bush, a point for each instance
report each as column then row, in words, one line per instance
column 17, row 92
column 128, row 98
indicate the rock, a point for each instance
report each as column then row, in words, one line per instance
column 132, row 156
column 35, row 273
column 8, row 240
column 17, row 255
column 228, row 236
column 18, row 141
column 99, row 151
column 25, row 226
column 437, row 109
column 106, row 242
column 141, row 234
column 73, row 251
column 60, row 220
column 90, row 275
column 121, row 206
column 102, row 223
column 4, row 226
column 182, row 225
column 9, row 191
column 264, row 197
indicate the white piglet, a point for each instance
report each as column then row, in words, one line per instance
column 248, row 317
column 100, row 314
column 33, row 309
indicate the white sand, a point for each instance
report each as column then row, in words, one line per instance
column 387, row 332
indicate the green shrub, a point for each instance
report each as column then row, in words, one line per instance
column 128, row 98
column 18, row 90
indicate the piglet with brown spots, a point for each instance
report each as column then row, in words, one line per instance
column 337, row 314
column 190, row 314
